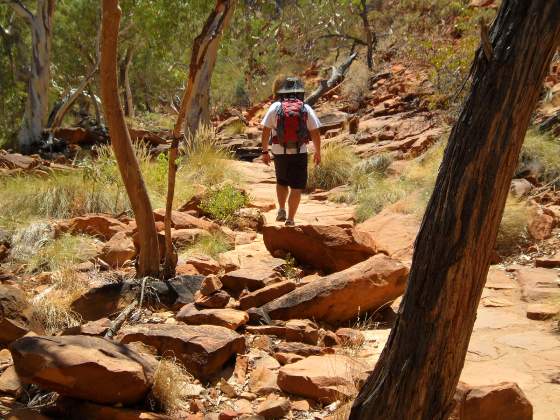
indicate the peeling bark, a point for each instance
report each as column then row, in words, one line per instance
column 419, row 368
column 148, row 260
column 194, row 106
column 195, row 103
column 36, row 108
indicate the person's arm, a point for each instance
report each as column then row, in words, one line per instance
column 264, row 142
column 316, row 139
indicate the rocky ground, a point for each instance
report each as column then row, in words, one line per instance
column 262, row 336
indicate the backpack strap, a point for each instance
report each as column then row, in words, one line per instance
column 280, row 122
column 302, row 127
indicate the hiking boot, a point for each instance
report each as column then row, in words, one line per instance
column 290, row 223
column 281, row 216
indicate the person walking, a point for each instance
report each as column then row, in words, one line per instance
column 288, row 126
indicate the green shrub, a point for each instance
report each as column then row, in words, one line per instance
column 337, row 163
column 221, row 203
column 378, row 194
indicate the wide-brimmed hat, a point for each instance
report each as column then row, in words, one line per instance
column 291, row 85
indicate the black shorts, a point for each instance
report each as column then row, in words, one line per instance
column 291, row 170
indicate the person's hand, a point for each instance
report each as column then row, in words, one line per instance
column 266, row 158
column 317, row 158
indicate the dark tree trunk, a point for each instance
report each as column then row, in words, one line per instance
column 148, row 260
column 194, row 105
column 371, row 38
column 418, row 371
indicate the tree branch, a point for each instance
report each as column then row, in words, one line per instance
column 20, row 9
column 343, row 36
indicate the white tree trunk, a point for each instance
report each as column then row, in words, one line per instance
column 196, row 101
column 36, row 109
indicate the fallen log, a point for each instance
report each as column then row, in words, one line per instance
column 337, row 76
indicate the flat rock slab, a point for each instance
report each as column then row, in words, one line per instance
column 83, row 367
column 266, row 294
column 538, row 284
column 250, row 278
column 330, row 248
column 531, row 340
column 342, row 296
column 391, row 233
column 542, row 311
column 229, row 318
column 548, row 262
column 322, row 378
column 203, row 350
column 499, row 280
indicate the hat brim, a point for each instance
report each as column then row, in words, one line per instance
column 295, row 90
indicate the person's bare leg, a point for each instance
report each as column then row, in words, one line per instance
column 293, row 203
column 282, row 194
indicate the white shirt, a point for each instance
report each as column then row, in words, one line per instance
column 270, row 120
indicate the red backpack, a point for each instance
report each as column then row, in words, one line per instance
column 291, row 126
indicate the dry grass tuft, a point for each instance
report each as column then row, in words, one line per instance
column 37, row 249
column 336, row 168
column 512, row 233
column 52, row 311
column 171, row 386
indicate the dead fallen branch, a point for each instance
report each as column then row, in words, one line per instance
column 337, row 76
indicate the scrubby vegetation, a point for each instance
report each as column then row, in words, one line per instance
column 336, row 167
column 170, row 391
column 222, row 202
column 211, row 245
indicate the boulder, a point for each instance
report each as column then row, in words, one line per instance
column 520, row 187
column 119, row 249
column 229, row 318
column 203, row 350
column 326, row 378
column 99, row 300
column 216, row 300
column 183, row 220
column 266, row 294
column 88, row 368
column 95, row 328
column 99, row 225
column 391, row 233
column 540, row 225
column 342, row 296
column 350, row 337
column 300, row 330
column 502, row 401
column 263, row 381
column 548, row 261
column 329, row 248
column 542, row 311
column 10, row 383
column 253, row 278
column 301, row 349
column 204, row 264
column 210, row 285
column 15, row 314
column 70, row 409
column 273, row 407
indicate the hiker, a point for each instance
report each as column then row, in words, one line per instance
column 288, row 126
